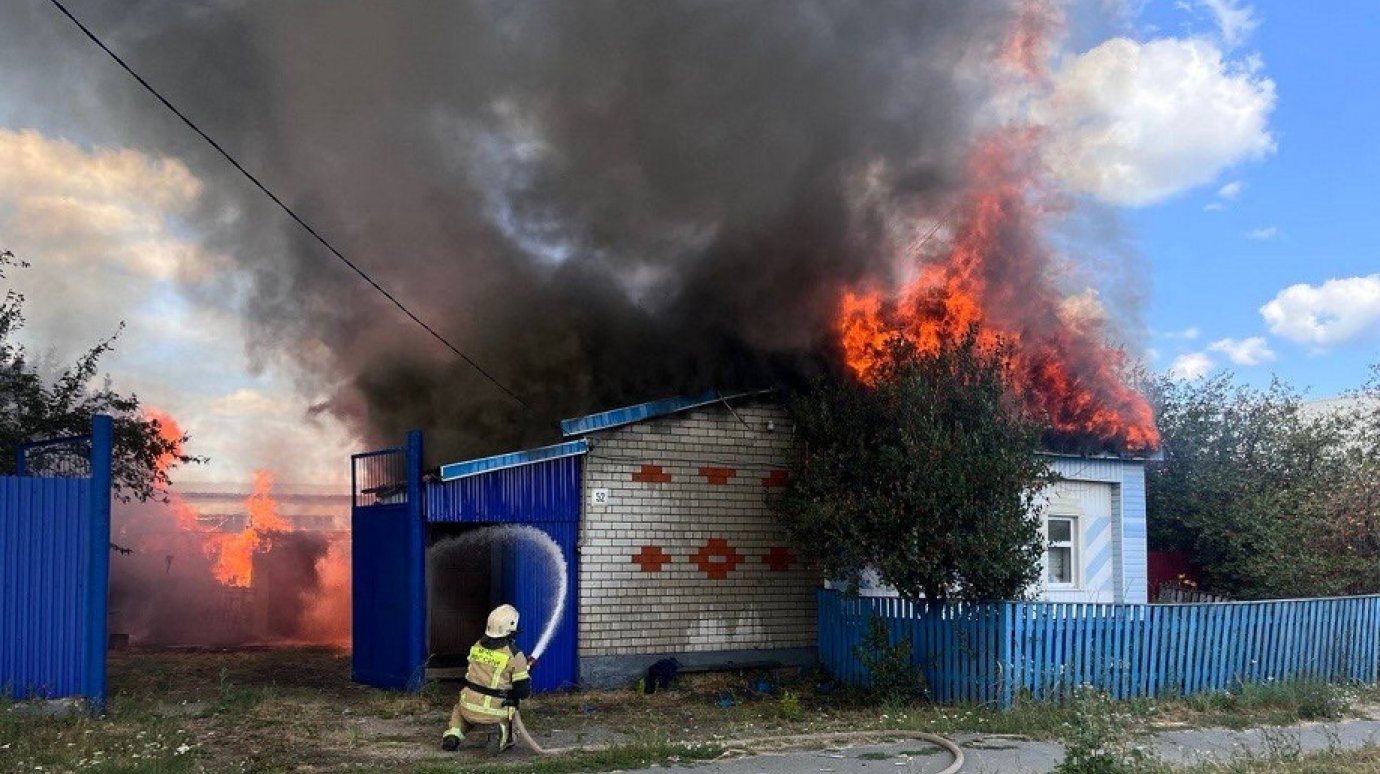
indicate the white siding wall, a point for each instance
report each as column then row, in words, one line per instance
column 1089, row 504
column 1134, row 551
column 1109, row 497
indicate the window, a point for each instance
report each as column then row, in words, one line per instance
column 1060, row 569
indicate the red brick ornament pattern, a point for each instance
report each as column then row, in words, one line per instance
column 717, row 548
column 651, row 558
column 652, row 474
column 778, row 558
column 718, row 475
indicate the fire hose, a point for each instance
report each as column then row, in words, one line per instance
column 750, row 743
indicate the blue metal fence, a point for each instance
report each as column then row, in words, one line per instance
column 54, row 577
column 388, row 625
column 994, row 653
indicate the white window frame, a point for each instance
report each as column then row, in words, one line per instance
column 1075, row 553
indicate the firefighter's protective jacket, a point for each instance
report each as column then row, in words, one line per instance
column 496, row 679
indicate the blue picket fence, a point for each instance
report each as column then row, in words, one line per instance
column 994, row 653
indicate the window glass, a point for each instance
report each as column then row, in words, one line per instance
column 1060, row 530
column 1059, row 557
column 1059, row 564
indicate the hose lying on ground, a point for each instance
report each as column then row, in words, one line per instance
column 750, row 743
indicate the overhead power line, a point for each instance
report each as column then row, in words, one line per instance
column 285, row 208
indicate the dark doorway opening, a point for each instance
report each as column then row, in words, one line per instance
column 463, row 583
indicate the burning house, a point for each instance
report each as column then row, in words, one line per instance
column 231, row 564
column 653, row 522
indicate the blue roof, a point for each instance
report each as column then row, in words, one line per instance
column 512, row 459
column 643, row 411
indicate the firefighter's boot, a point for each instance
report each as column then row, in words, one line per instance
column 451, row 741
column 500, row 738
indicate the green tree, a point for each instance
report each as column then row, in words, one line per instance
column 1351, row 501
column 33, row 407
column 929, row 476
column 1249, row 485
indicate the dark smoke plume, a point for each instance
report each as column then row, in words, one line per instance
column 603, row 202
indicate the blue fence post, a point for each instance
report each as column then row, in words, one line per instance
column 416, row 527
column 98, row 580
column 1005, row 630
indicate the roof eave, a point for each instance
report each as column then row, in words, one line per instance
column 641, row 412
column 458, row 470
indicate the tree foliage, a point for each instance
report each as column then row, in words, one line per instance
column 928, row 477
column 37, row 406
column 1267, row 496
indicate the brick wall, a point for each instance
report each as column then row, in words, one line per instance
column 684, row 556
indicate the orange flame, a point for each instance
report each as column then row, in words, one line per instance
column 996, row 277
column 230, row 557
column 169, row 430
column 234, row 552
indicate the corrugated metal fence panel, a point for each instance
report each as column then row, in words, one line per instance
column 1045, row 650
column 45, row 560
column 383, row 608
column 542, row 492
column 388, row 565
column 535, row 587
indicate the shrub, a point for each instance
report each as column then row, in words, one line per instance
column 788, row 707
column 895, row 680
column 1100, row 739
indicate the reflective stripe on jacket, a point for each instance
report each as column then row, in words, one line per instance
column 496, row 669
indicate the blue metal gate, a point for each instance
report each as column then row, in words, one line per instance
column 54, row 573
column 540, row 489
column 530, row 582
column 388, row 566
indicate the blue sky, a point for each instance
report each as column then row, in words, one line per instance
column 1303, row 214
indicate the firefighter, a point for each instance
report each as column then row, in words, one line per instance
column 495, row 682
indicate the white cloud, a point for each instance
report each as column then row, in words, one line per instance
column 1194, row 365
column 1187, row 334
column 102, row 230
column 1244, row 352
column 1134, row 123
column 1235, row 21
column 102, row 206
column 1265, row 233
column 1230, row 190
column 1335, row 312
column 1214, row 207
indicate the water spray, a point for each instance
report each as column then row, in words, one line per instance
column 521, row 533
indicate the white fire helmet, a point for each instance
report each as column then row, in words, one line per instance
column 502, row 622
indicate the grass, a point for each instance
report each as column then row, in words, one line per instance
column 1298, row 700
column 1364, row 760
column 271, row 710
